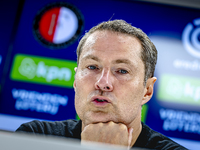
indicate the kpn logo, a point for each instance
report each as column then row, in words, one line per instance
column 43, row 70
column 179, row 89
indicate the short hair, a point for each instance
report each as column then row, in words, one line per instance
column 148, row 53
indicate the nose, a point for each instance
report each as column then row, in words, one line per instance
column 104, row 82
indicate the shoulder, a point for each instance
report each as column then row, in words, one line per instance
column 149, row 138
column 67, row 128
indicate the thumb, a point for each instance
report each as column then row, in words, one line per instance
column 130, row 132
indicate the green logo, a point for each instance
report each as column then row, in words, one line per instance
column 43, row 70
column 179, row 89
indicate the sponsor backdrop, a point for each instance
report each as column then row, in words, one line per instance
column 38, row 55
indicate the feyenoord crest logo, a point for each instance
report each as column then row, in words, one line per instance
column 58, row 25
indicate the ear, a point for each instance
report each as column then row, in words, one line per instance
column 148, row 92
column 74, row 85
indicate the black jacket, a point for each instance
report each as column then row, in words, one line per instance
column 148, row 138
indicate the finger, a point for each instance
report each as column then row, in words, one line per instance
column 130, row 132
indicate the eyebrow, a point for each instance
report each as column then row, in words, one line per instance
column 125, row 61
column 91, row 57
column 118, row 61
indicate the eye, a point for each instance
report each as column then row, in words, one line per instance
column 122, row 71
column 92, row 67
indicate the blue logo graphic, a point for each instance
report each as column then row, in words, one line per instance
column 191, row 38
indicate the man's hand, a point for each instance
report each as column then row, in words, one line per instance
column 112, row 133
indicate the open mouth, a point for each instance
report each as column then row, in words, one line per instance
column 100, row 101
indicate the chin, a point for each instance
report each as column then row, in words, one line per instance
column 99, row 117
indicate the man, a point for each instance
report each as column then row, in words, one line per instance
column 114, row 78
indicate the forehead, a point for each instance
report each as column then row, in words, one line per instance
column 113, row 44
column 99, row 36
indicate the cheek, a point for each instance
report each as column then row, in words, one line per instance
column 84, row 85
column 130, row 94
column 84, row 75
column 131, row 103
column 123, row 79
column 130, row 80
column 79, row 99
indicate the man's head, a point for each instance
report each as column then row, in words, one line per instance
column 109, row 82
column 148, row 51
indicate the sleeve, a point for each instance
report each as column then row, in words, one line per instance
column 33, row 127
column 57, row 128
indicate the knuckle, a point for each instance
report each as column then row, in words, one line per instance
column 111, row 123
column 100, row 124
column 89, row 127
column 123, row 127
